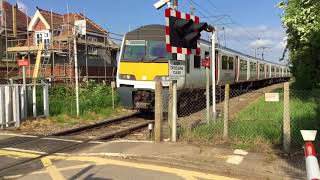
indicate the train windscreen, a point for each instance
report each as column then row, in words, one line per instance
column 144, row 51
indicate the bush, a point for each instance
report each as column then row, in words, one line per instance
column 92, row 98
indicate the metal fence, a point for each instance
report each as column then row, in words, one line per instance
column 17, row 102
column 266, row 120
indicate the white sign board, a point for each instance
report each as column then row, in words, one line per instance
column 271, row 97
column 81, row 27
column 176, row 69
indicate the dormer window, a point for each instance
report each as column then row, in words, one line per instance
column 43, row 37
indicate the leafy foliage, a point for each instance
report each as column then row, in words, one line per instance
column 92, row 98
column 302, row 20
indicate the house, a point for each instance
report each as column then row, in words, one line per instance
column 8, row 37
column 96, row 53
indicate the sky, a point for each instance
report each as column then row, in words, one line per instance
column 243, row 25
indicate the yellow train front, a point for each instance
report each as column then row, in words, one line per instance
column 142, row 61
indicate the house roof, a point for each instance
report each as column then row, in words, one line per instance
column 21, row 17
column 60, row 19
column 57, row 19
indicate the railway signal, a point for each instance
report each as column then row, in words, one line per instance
column 183, row 32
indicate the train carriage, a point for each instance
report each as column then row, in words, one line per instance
column 143, row 60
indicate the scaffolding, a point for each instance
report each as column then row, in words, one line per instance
column 24, row 43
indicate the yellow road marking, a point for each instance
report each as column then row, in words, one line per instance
column 182, row 173
column 12, row 177
column 55, row 174
column 52, row 170
column 18, row 154
column 25, row 150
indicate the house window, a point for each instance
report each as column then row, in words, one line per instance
column 92, row 50
column 243, row 65
column 92, row 39
column 43, row 37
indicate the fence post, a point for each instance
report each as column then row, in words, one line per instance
column 226, row 111
column 174, row 111
column 16, row 105
column 45, row 100
column 170, row 107
column 34, row 100
column 23, row 101
column 2, row 105
column 8, row 105
column 158, row 112
column 286, row 118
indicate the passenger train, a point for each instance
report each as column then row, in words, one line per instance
column 143, row 60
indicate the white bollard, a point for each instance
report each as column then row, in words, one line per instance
column 312, row 166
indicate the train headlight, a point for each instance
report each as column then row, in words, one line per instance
column 127, row 77
column 161, row 78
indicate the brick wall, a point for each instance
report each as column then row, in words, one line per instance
column 39, row 26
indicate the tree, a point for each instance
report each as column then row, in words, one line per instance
column 301, row 18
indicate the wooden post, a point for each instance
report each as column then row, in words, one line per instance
column 170, row 105
column 286, row 119
column 158, row 112
column 174, row 112
column 113, row 86
column 226, row 111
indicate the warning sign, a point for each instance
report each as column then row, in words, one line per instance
column 176, row 69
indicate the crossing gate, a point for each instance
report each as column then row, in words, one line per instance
column 18, row 102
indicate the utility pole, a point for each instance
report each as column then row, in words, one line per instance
column 175, row 4
column 192, row 9
column 76, row 68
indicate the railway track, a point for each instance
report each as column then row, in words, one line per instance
column 114, row 128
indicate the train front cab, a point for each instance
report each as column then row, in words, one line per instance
column 140, row 64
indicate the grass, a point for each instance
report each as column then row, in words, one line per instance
column 259, row 125
column 95, row 102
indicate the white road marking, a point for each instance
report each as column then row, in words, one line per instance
column 240, row 152
column 235, row 159
column 128, row 141
column 18, row 135
column 96, row 142
column 66, row 140
column 25, row 150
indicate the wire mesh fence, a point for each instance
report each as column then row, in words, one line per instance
column 255, row 119
column 262, row 120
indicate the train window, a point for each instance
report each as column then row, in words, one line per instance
column 224, row 62
column 261, row 67
column 230, row 63
column 243, row 65
column 156, row 50
column 197, row 62
column 134, row 51
column 253, row 66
